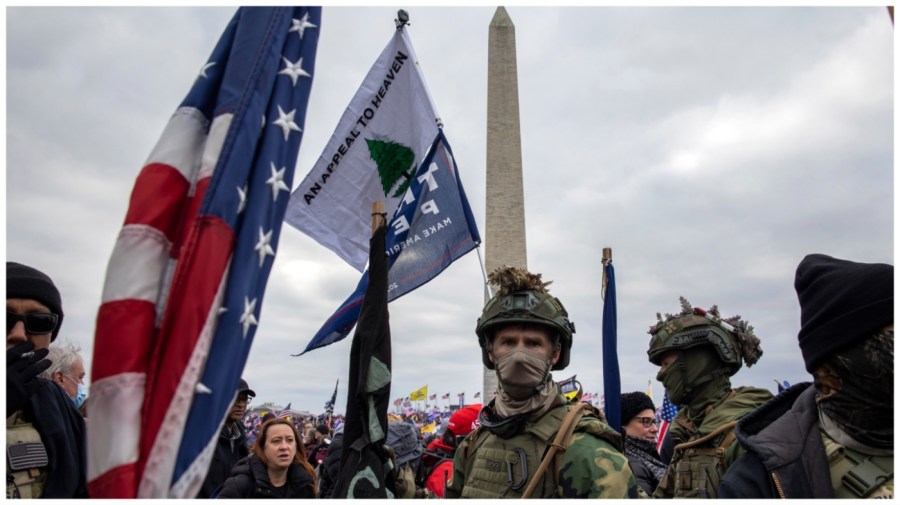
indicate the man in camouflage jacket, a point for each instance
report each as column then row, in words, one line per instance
column 524, row 333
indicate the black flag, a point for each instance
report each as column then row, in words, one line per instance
column 365, row 461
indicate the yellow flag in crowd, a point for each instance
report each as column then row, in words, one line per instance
column 649, row 391
column 419, row 394
column 428, row 428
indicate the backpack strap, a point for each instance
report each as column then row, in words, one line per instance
column 729, row 438
column 558, row 446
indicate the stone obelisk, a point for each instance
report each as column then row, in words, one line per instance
column 505, row 206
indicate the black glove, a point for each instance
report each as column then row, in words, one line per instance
column 21, row 371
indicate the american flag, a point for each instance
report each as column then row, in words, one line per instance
column 445, row 397
column 666, row 414
column 285, row 414
column 433, row 397
column 185, row 283
column 477, row 395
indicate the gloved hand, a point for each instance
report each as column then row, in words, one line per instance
column 21, row 370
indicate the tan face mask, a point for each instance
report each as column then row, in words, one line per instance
column 522, row 373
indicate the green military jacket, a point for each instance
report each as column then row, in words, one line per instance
column 497, row 464
column 703, row 453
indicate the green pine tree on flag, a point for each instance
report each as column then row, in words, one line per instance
column 394, row 161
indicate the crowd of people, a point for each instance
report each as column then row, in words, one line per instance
column 830, row 437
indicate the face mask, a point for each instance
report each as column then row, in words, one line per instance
column 80, row 395
column 671, row 379
column 856, row 389
column 80, row 392
column 700, row 362
column 521, row 372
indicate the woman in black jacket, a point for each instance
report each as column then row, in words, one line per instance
column 640, row 426
column 275, row 468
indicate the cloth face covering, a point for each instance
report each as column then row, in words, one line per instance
column 856, row 390
column 523, row 376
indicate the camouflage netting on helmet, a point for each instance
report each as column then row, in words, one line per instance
column 740, row 331
column 522, row 298
column 509, row 280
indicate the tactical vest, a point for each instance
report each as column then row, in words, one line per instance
column 502, row 468
column 698, row 465
column 26, row 459
column 858, row 475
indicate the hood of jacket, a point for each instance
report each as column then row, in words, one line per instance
column 777, row 431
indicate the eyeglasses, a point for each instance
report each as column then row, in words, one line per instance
column 35, row 322
column 244, row 399
column 648, row 421
column 74, row 381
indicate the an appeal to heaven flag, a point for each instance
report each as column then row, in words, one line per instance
column 186, row 279
column 373, row 155
column 431, row 229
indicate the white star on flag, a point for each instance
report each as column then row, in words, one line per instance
column 294, row 70
column 263, row 246
column 247, row 318
column 277, row 182
column 299, row 25
column 242, row 195
column 286, row 122
column 205, row 68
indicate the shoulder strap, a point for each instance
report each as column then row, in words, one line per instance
column 706, row 438
column 557, row 447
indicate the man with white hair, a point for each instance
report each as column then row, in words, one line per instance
column 67, row 370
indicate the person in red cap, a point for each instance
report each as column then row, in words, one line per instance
column 439, row 456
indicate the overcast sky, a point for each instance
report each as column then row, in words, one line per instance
column 710, row 148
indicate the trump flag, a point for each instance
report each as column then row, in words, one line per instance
column 185, row 282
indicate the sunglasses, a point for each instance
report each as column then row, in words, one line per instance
column 648, row 421
column 35, row 322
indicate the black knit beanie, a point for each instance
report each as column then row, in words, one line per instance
column 841, row 302
column 25, row 282
column 633, row 404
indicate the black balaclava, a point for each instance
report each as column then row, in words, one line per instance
column 856, row 389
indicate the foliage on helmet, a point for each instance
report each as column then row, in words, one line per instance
column 740, row 331
column 509, row 280
column 522, row 298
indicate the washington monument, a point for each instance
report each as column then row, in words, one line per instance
column 505, row 206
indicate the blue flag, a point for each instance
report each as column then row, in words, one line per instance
column 432, row 227
column 612, row 385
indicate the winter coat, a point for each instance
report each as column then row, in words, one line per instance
column 331, row 467
column 250, row 479
column 785, row 455
column 645, row 462
column 62, row 431
column 231, row 447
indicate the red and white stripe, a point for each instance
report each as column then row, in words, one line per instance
column 147, row 360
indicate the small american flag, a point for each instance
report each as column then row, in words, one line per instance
column 185, row 282
column 445, row 397
column 477, row 395
column 666, row 414
column 286, row 413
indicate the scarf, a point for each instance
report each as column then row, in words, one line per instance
column 645, row 452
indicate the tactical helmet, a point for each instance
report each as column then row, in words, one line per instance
column 732, row 338
column 523, row 299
